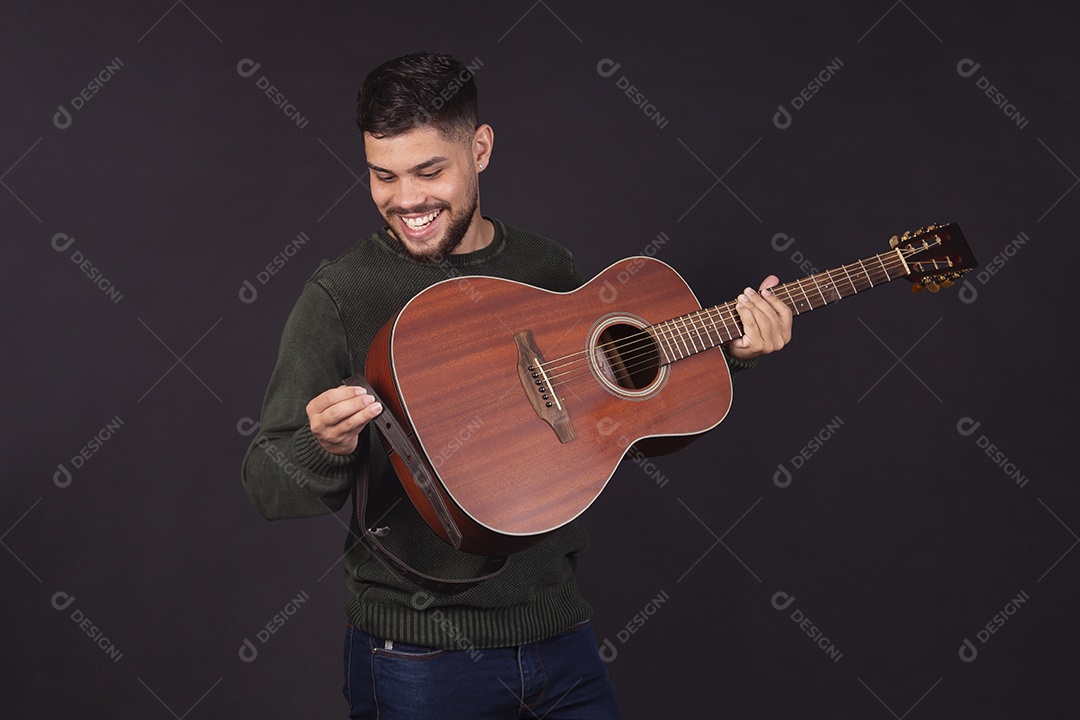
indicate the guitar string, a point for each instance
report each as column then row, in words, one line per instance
column 650, row 350
column 674, row 334
column 669, row 331
column 725, row 311
column 647, row 346
column 645, row 349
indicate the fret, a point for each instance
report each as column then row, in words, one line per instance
column 711, row 327
column 691, row 332
column 658, row 337
column 881, row 260
column 669, row 334
column 809, row 305
column 823, row 300
column 702, row 318
column 868, row 278
column 794, row 305
column 681, row 336
column 855, row 289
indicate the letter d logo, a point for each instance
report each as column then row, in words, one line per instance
column 967, row 67
column 782, row 601
column 608, row 293
column 781, row 118
column 608, row 651
column 248, row 652
column 62, row 601
column 966, row 426
column 782, row 477
column 247, row 67
column 248, row 293
column 62, row 118
column 968, row 652
column 607, row 67
column 62, row 477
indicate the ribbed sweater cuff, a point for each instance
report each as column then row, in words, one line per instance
column 739, row 365
column 312, row 456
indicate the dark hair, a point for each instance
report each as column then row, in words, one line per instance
column 417, row 90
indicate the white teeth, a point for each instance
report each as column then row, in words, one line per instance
column 421, row 222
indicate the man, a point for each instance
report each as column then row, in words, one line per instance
column 518, row 644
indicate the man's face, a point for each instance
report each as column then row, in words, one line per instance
column 425, row 187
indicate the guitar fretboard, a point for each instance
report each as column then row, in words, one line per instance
column 709, row 328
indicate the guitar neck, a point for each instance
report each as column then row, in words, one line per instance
column 709, row 328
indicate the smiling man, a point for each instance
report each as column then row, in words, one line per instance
column 519, row 643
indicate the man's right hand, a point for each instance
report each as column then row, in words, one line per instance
column 337, row 416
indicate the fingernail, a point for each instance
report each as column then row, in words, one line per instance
column 743, row 299
column 749, row 291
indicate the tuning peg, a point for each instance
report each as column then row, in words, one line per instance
column 946, row 283
column 916, row 288
column 932, row 286
column 894, row 241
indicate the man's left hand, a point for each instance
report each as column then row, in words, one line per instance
column 766, row 322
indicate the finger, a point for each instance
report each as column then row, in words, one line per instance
column 748, row 315
column 772, row 329
column 783, row 313
column 349, row 426
column 333, row 396
column 344, row 410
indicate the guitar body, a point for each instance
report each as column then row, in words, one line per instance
column 522, row 402
column 455, row 365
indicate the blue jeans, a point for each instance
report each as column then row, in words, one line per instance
column 557, row 678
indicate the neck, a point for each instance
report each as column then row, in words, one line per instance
column 709, row 328
column 479, row 235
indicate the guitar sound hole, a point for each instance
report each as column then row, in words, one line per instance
column 628, row 356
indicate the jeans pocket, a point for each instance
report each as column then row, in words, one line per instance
column 405, row 651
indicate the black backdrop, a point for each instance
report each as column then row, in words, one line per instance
column 883, row 526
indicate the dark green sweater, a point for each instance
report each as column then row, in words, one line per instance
column 287, row 474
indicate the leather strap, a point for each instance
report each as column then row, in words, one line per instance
column 401, row 443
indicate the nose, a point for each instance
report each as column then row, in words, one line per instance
column 409, row 193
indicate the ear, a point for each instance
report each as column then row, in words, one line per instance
column 482, row 143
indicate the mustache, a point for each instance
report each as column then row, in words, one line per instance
column 418, row 210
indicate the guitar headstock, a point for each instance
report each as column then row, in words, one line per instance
column 936, row 256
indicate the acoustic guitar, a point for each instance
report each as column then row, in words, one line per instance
column 521, row 402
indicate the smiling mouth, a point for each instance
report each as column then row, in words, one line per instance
column 416, row 225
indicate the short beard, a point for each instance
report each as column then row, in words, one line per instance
column 455, row 231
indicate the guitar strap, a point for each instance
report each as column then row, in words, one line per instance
column 401, row 443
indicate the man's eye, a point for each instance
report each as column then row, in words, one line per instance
column 385, row 179
column 428, row 176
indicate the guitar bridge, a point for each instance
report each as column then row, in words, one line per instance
column 538, row 388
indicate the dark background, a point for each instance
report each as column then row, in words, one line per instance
column 900, row 538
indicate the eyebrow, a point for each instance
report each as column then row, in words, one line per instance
column 415, row 168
